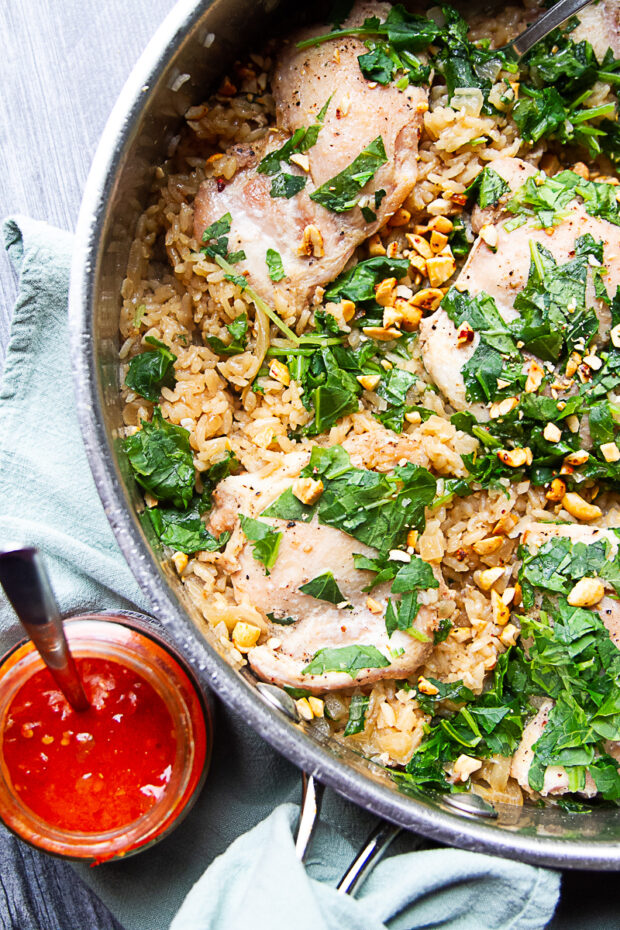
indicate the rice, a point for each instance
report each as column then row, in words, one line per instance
column 173, row 293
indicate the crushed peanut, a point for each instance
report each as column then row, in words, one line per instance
column 245, row 635
column 552, row 433
column 439, row 269
column 515, row 458
column 488, row 577
column 509, row 635
column 611, row 452
column 535, row 376
column 400, row 218
column 375, row 246
column 307, row 490
column 586, row 593
column 488, row 545
column 369, row 382
column 579, row 508
column 180, row 560
column 501, row 611
column 312, row 242
column 427, row 687
column 428, row 299
column 279, row 372
column 384, row 292
column 503, row 407
column 421, row 245
column 464, row 767
column 556, row 491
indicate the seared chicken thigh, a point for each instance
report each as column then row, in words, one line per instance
column 314, row 242
column 308, row 550
column 502, row 272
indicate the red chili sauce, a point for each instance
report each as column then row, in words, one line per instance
column 96, row 770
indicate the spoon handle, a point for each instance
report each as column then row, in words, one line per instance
column 554, row 17
column 25, row 581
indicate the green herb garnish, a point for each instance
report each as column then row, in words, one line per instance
column 274, row 265
column 324, row 588
column 265, row 540
column 348, row 659
column 238, row 330
column 341, row 193
column 357, row 714
column 151, row 370
column 162, row 461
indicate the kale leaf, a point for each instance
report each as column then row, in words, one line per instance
column 151, row 370
column 265, row 540
column 274, row 265
column 162, row 461
column 184, row 531
column 357, row 714
column 348, row 659
column 488, row 188
column 324, row 588
column 238, row 330
column 341, row 193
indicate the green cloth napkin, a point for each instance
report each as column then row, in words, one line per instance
column 47, row 498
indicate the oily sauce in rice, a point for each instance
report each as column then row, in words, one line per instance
column 94, row 770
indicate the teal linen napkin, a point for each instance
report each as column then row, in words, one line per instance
column 47, row 498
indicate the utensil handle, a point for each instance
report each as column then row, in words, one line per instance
column 545, row 24
column 24, row 579
column 375, row 847
column 311, row 798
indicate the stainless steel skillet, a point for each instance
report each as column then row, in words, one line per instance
column 190, row 50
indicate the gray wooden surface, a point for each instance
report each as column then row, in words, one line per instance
column 62, row 65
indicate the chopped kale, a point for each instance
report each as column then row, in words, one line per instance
column 558, row 77
column 324, row 588
column 357, row 714
column 487, row 724
column 282, row 621
column 287, row 185
column 184, row 531
column 341, row 193
column 238, row 330
column 348, row 659
column 151, row 370
column 274, row 265
column 162, row 461
column 265, row 540
column 358, row 284
column 217, row 235
column 488, row 188
column 375, row 509
column 443, row 630
column 546, row 199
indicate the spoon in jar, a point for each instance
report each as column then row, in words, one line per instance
column 25, row 581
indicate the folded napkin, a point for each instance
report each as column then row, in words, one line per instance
column 47, row 498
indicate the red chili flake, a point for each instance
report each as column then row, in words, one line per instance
column 465, row 334
column 221, row 184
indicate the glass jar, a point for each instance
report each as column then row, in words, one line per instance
column 133, row 641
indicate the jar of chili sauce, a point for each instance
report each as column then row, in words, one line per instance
column 112, row 780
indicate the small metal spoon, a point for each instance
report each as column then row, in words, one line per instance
column 25, row 581
column 550, row 20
